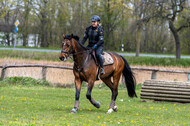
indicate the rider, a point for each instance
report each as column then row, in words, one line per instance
column 95, row 33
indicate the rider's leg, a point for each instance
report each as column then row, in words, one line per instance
column 100, row 58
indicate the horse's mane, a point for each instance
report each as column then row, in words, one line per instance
column 77, row 39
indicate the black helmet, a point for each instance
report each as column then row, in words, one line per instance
column 95, row 18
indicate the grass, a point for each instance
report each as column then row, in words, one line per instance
column 149, row 61
column 27, row 47
column 29, row 55
column 37, row 104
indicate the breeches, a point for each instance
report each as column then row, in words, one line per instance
column 99, row 56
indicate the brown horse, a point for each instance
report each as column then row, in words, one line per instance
column 85, row 69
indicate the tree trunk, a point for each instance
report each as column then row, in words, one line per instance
column 107, row 37
column 177, row 40
column 8, row 39
column 44, row 33
column 25, row 25
column 138, row 39
column 25, row 43
column 44, row 42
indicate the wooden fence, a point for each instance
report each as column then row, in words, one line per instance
column 44, row 70
column 154, row 72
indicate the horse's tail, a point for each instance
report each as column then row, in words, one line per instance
column 130, row 81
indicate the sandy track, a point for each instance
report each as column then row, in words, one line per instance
column 67, row 77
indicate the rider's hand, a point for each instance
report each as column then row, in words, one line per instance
column 94, row 46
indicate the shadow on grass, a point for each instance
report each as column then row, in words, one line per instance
column 91, row 109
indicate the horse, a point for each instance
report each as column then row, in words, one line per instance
column 85, row 69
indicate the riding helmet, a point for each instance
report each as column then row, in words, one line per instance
column 95, row 18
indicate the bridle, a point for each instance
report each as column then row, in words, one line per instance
column 69, row 54
column 69, row 50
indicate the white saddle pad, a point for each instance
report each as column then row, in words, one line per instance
column 108, row 59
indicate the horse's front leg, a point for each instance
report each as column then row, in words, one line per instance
column 77, row 94
column 88, row 95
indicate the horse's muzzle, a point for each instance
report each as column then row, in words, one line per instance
column 64, row 55
column 61, row 58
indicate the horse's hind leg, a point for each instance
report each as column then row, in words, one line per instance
column 114, row 89
column 88, row 95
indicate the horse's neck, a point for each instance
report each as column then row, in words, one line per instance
column 80, row 54
column 77, row 47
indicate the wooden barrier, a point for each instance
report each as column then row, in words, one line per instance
column 44, row 70
column 166, row 91
column 154, row 72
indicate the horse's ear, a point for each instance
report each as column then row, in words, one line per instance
column 64, row 36
column 71, row 36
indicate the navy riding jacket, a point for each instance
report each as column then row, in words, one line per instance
column 95, row 35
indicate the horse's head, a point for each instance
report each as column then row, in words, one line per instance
column 67, row 47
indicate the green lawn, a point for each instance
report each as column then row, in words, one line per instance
column 44, row 105
column 149, row 61
column 27, row 47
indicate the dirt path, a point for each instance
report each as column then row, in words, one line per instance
column 66, row 76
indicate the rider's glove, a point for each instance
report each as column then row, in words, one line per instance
column 94, row 46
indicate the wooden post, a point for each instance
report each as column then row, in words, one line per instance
column 154, row 75
column 3, row 72
column 44, row 71
column 188, row 77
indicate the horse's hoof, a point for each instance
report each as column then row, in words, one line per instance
column 97, row 104
column 109, row 111
column 74, row 110
column 115, row 108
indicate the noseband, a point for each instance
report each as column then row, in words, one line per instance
column 63, row 51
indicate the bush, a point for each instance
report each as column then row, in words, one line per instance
column 27, row 81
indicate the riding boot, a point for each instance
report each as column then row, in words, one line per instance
column 101, row 59
column 102, row 71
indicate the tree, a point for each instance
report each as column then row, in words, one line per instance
column 110, row 18
column 40, row 8
column 168, row 11
column 138, row 25
column 8, row 14
column 25, row 14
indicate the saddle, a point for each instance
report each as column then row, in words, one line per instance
column 108, row 60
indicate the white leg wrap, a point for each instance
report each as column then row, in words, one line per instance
column 115, row 108
column 110, row 111
column 74, row 110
